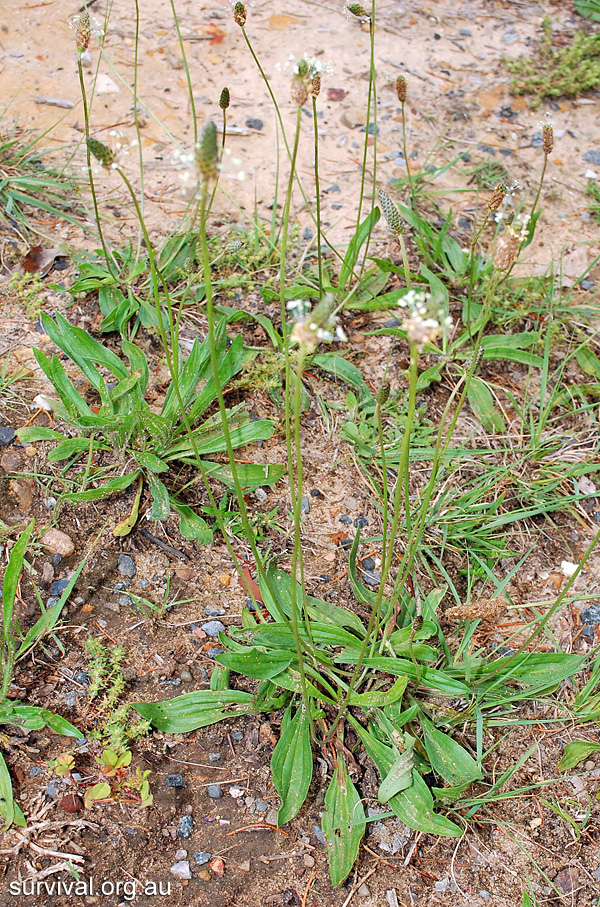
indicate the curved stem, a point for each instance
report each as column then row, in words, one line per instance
column 405, row 152
column 318, row 195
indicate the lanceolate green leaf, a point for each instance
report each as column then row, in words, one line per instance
column 343, row 823
column 354, row 247
column 575, row 752
column 292, row 765
column 11, row 580
column 261, row 664
column 110, row 487
column 481, row 402
column 193, row 710
column 7, row 803
column 447, row 757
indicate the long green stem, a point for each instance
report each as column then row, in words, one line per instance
column 371, row 105
column 187, row 71
column 318, row 195
column 86, row 121
column 388, row 552
column 405, row 153
column 541, row 183
column 405, row 261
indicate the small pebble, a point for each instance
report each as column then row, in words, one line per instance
column 261, row 495
column 364, row 891
column 57, row 558
column 260, row 806
column 211, row 611
column 213, row 628
column 368, row 563
column 345, row 519
column 126, row 566
column 307, row 234
column 185, row 676
column 304, row 504
column 185, row 827
column 71, row 699
column 49, row 503
column 214, row 757
column 484, row 895
column 591, row 615
column 214, row 651
column 35, row 770
column 7, row 436
column 214, row 791
column 371, row 578
column 58, row 542
column 58, row 586
column 587, row 284
column 318, row 833
column 465, row 33
column 254, row 123
column 592, row 157
column 589, row 766
column 235, row 792
column 52, row 789
column 237, row 736
column 175, row 780
column 315, row 493
column 82, row 677
column 361, row 522
column 271, row 816
column 181, row 870
column 181, row 854
column 537, row 140
column 201, row 857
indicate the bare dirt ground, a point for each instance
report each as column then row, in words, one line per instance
column 458, row 101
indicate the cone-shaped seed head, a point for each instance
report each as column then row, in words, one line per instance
column 498, row 196
column 547, row 138
column 357, row 10
column 207, row 152
column 100, row 151
column 417, row 623
column 391, row 213
column 400, row 86
column 383, row 394
column 224, row 99
column 83, row 30
column 239, row 14
column 315, row 87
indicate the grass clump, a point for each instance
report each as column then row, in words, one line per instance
column 557, row 72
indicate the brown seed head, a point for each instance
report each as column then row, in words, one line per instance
column 417, row 623
column 507, row 250
column 82, row 26
column 224, row 99
column 315, row 87
column 301, row 83
column 547, row 138
column 400, row 86
column 484, row 609
column 239, row 14
column 100, row 151
column 498, row 196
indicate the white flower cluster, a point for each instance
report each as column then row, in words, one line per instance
column 424, row 321
column 314, row 326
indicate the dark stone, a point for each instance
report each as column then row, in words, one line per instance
column 214, row 791
column 127, row 566
column 315, row 493
column 368, row 563
column 213, row 628
column 254, row 123
column 346, row 519
column 371, row 578
column 371, row 129
column 487, row 149
column 361, row 522
column 237, row 736
column 7, row 436
column 588, row 631
column 587, row 284
column 325, row 578
column 318, row 833
column 308, row 234
column 58, row 586
column 82, row 677
column 337, row 207
column 465, row 224
column 175, row 780
column 214, row 651
column 333, row 188
column 52, row 789
column 304, row 504
column 201, row 856
column 57, row 559
column 185, row 827
column 592, row 157
column 35, row 770
column 346, row 544
column 464, row 33
column 591, row 615
column 211, row 611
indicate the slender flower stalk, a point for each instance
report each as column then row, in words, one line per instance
column 316, row 87
column 547, row 147
column 401, row 91
column 83, row 30
column 360, row 13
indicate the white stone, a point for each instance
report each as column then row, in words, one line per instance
column 181, row 870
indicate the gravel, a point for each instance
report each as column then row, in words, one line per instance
column 181, row 870
column 175, row 780
column 318, row 833
column 58, row 586
column 591, row 615
column 304, row 504
column 7, row 436
column 185, row 827
column 213, row 628
column 592, row 157
column 201, row 856
column 127, row 566
column 214, row 791
column 254, row 123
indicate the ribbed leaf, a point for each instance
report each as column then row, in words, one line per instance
column 343, row 823
column 292, row 765
column 194, row 710
column 448, row 758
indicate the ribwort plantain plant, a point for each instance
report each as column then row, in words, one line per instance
column 344, row 682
